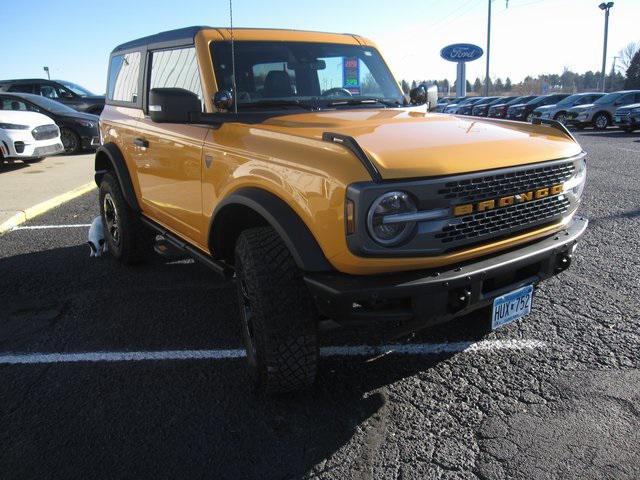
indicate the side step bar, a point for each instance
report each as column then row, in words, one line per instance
column 220, row 268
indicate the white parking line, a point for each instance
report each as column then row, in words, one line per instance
column 336, row 351
column 45, row 227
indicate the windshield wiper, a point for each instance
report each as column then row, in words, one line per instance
column 276, row 104
column 363, row 101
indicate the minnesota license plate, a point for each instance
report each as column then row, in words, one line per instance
column 511, row 306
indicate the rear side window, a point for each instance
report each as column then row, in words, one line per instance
column 124, row 73
column 176, row 68
column 22, row 88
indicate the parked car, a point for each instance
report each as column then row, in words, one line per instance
column 499, row 110
column 27, row 136
column 325, row 202
column 467, row 102
column 468, row 108
column 440, row 107
column 559, row 110
column 443, row 102
column 524, row 112
column 78, row 130
column 69, row 93
column 628, row 117
column 481, row 109
column 599, row 114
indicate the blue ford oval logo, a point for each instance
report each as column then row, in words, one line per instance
column 461, row 52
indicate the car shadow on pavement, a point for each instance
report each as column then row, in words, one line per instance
column 6, row 167
column 164, row 419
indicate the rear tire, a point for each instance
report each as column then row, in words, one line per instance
column 600, row 121
column 128, row 239
column 278, row 317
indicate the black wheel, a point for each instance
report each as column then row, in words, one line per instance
column 278, row 317
column 33, row 160
column 600, row 121
column 530, row 117
column 561, row 117
column 70, row 140
column 128, row 239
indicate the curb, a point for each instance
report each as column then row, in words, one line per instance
column 43, row 207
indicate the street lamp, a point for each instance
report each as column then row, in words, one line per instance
column 46, row 69
column 605, row 7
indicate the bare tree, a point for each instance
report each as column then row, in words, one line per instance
column 626, row 54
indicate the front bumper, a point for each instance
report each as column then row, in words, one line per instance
column 414, row 300
column 20, row 144
column 626, row 121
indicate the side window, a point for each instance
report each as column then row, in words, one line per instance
column 637, row 100
column 626, row 99
column 22, row 88
column 48, row 91
column 177, row 68
column 124, row 72
column 13, row 104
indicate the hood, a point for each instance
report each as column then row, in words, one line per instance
column 32, row 119
column 80, row 116
column 630, row 107
column 94, row 98
column 409, row 143
column 517, row 105
column 580, row 108
column 545, row 108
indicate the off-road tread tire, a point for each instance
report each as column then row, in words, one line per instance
column 136, row 240
column 284, row 317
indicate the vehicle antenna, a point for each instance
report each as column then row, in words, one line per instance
column 233, row 61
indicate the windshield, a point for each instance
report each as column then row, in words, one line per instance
column 570, row 100
column 304, row 74
column 50, row 105
column 609, row 98
column 75, row 88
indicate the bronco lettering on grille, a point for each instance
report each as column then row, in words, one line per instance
column 491, row 204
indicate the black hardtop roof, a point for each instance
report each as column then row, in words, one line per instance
column 27, row 80
column 185, row 35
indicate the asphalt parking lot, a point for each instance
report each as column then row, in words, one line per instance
column 556, row 395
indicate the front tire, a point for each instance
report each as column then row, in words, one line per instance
column 600, row 121
column 70, row 141
column 278, row 317
column 561, row 117
column 530, row 117
column 128, row 239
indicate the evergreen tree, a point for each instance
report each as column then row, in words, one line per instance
column 405, row 86
column 499, row 85
column 633, row 72
column 477, row 85
column 469, row 87
column 507, row 84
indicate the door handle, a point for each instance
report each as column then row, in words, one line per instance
column 141, row 142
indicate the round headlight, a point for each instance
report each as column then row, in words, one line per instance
column 385, row 219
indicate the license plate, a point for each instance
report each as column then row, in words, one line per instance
column 511, row 306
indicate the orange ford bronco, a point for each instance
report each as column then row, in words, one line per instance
column 292, row 162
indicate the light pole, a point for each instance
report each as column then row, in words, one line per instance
column 606, row 7
column 486, row 76
column 46, row 69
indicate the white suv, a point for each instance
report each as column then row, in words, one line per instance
column 28, row 136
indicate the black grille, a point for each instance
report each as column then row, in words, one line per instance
column 510, row 183
column 508, row 219
column 45, row 132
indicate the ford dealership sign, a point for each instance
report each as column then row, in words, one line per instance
column 461, row 52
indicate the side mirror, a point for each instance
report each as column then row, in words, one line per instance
column 418, row 95
column 173, row 105
column 223, row 100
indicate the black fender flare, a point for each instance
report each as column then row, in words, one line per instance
column 296, row 235
column 109, row 158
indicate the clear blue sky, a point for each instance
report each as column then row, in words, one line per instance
column 74, row 37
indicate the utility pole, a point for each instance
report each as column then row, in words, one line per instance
column 486, row 76
column 605, row 7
